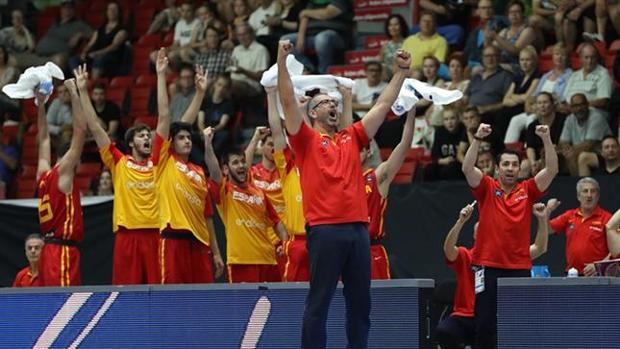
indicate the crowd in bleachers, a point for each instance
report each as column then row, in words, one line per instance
column 518, row 64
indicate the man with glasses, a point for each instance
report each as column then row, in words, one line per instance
column 334, row 201
column 366, row 90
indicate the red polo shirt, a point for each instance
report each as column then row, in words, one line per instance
column 24, row 279
column 586, row 237
column 331, row 172
column 503, row 239
column 465, row 294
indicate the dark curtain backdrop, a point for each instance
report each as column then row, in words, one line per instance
column 418, row 218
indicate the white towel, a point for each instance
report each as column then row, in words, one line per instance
column 270, row 77
column 32, row 78
column 413, row 90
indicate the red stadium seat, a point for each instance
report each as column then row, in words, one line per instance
column 374, row 41
column 83, row 183
column 143, row 18
column 119, row 96
column 405, row 173
column 575, row 62
column 168, row 39
column 122, row 81
column 28, row 172
column 89, row 169
column 141, row 59
column 26, row 188
column 615, row 46
column 139, row 100
column 154, row 40
column 98, row 6
column 352, row 71
column 149, row 80
column 94, row 19
column 361, row 56
column 9, row 133
column 519, row 147
column 149, row 120
column 545, row 64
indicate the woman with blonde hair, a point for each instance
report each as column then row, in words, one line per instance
column 554, row 81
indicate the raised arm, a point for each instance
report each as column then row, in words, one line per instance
column 292, row 116
column 68, row 163
column 275, row 123
column 471, row 172
column 259, row 134
column 163, row 107
column 542, row 213
column 376, row 115
column 546, row 175
column 346, row 119
column 210, row 159
column 81, row 80
column 450, row 249
column 43, row 137
column 613, row 236
column 388, row 169
column 201, row 82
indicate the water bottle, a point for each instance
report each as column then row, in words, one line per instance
column 572, row 273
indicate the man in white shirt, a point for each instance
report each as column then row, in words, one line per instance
column 250, row 59
column 366, row 90
column 182, row 34
column 257, row 20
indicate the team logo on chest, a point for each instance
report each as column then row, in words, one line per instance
column 189, row 173
column 142, row 168
column 324, row 143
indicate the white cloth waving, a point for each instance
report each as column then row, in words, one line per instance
column 32, row 78
column 413, row 90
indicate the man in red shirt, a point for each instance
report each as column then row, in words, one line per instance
column 586, row 238
column 458, row 329
column 502, row 246
column 60, row 211
column 613, row 235
column 334, row 201
column 29, row 276
column 377, row 184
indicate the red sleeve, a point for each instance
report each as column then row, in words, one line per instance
column 18, row 279
column 301, row 139
column 559, row 223
column 533, row 191
column 357, row 130
column 157, row 144
column 214, row 189
column 461, row 258
column 482, row 188
column 208, row 212
column 272, row 215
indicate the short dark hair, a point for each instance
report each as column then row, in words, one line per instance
column 429, row 13
column 33, row 236
column 404, row 27
column 230, row 153
column 515, row 2
column 545, row 93
column 434, row 59
column 472, row 109
column 610, row 137
column 370, row 63
column 185, row 66
column 508, row 152
column 131, row 132
column 179, row 126
column 99, row 86
column 459, row 58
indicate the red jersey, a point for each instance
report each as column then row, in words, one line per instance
column 465, row 294
column 60, row 214
column 503, row 239
column 586, row 237
column 376, row 205
column 330, row 170
column 24, row 279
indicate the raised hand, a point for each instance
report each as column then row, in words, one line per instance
column 344, row 91
column 542, row 131
column 402, row 59
column 539, row 210
column 466, row 212
column 70, row 84
column 552, row 204
column 201, row 78
column 218, row 263
column 271, row 89
column 161, row 64
column 284, row 48
column 483, row 131
column 208, row 134
column 81, row 76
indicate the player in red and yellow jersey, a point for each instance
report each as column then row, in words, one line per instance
column 185, row 213
column 377, row 184
column 613, row 235
column 136, row 214
column 247, row 213
column 29, row 276
column 60, row 212
column 297, row 266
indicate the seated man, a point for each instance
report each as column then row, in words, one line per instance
column 184, row 93
column 182, row 35
column 583, row 130
column 250, row 60
column 605, row 163
column 427, row 42
column 108, row 113
column 446, row 165
column 29, row 276
column 366, row 90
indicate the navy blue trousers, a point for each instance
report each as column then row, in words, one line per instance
column 338, row 251
column 454, row 332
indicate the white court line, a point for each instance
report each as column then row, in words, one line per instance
column 93, row 322
column 61, row 319
column 256, row 324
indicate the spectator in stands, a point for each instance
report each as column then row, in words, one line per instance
column 583, row 130
column 217, row 110
column 555, row 80
column 571, row 14
column 8, row 74
column 523, row 86
column 182, row 35
column 166, row 19
column 613, row 235
column 212, row 56
column 605, row 163
column 250, row 60
column 9, row 155
column 430, row 69
column 61, row 39
column 242, row 11
column 471, row 121
column 286, row 21
column 108, row 112
column 487, row 90
column 104, row 184
column 445, row 164
column 324, row 26
column 258, row 21
column 59, row 115
column 449, row 12
column 105, row 50
column 17, row 38
column 367, row 90
column 486, row 163
column 544, row 19
column 513, row 39
column 396, row 29
column 456, row 67
column 586, row 241
column 592, row 80
column 545, row 115
column 206, row 18
column 183, row 93
column 476, row 39
column 29, row 276
column 605, row 10
column 426, row 43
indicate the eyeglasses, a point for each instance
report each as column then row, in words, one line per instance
column 335, row 102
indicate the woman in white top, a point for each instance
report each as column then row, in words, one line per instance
column 456, row 68
column 554, row 81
